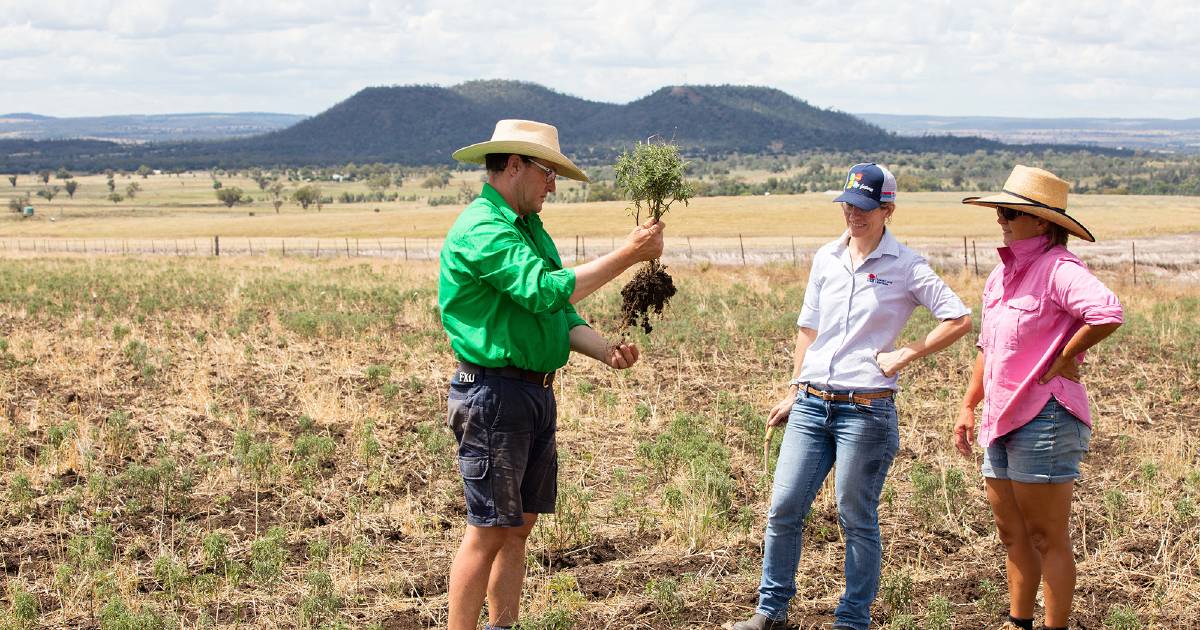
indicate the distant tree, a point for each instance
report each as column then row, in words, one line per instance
column 379, row 182
column 12, row 179
column 435, row 181
column 276, row 189
column 17, row 204
column 398, row 180
column 132, row 190
column 71, row 186
column 115, row 197
column 306, row 195
column 49, row 192
column 216, row 185
column 230, row 196
column 144, row 171
column 62, row 173
column 45, row 175
column 260, row 178
column 112, row 186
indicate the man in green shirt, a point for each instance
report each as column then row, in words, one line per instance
column 506, row 304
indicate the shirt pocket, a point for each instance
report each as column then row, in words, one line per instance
column 1021, row 313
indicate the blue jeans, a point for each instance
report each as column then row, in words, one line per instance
column 859, row 442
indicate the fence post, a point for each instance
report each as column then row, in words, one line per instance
column 965, row 267
column 216, row 246
column 347, row 247
column 405, row 239
column 250, row 246
column 1134, row 244
column 795, row 262
column 742, row 247
column 975, row 256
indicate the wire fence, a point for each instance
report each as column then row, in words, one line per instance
column 1175, row 256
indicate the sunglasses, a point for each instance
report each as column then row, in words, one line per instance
column 1011, row 215
column 547, row 171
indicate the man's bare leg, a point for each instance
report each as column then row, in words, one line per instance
column 508, row 575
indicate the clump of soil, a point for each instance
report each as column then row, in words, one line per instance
column 649, row 292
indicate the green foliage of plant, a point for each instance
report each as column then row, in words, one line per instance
column 896, row 590
column 171, row 574
column 939, row 615
column 903, row 621
column 700, row 503
column 665, row 597
column 992, row 599
column 21, row 492
column 1122, row 617
column 320, row 603
column 377, row 374
column 267, row 555
column 23, row 607
column 115, row 615
column 652, row 175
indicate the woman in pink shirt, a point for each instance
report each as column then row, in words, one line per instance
column 1042, row 309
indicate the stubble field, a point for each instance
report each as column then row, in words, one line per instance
column 260, row 442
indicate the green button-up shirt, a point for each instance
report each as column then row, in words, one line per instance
column 503, row 291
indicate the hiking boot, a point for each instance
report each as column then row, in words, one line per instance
column 759, row 622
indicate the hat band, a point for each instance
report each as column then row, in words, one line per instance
column 1034, row 201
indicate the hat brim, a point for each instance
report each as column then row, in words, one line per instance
column 475, row 154
column 857, row 200
column 1005, row 200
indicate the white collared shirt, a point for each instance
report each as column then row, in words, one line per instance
column 860, row 312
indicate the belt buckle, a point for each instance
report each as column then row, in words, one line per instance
column 546, row 379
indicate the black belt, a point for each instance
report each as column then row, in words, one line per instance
column 468, row 371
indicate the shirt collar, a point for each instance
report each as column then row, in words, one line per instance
column 1017, row 255
column 888, row 245
column 494, row 197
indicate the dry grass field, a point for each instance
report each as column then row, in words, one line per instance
column 260, row 442
column 185, row 206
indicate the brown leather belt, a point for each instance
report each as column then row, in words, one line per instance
column 467, row 371
column 860, row 398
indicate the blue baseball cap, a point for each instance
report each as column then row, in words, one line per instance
column 868, row 185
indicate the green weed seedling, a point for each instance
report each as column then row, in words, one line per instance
column 21, row 493
column 664, row 595
column 171, row 574
column 1122, row 617
column 267, row 556
column 115, row 615
column 897, row 592
column 903, row 622
column 320, row 604
column 23, row 607
column 939, row 615
column 992, row 600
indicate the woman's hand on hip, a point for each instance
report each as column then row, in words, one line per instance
column 964, row 432
column 890, row 363
column 780, row 412
column 1062, row 366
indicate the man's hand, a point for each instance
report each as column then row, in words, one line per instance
column 1062, row 366
column 645, row 242
column 964, row 432
column 622, row 356
column 780, row 412
column 890, row 363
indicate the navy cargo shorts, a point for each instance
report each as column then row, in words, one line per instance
column 506, row 450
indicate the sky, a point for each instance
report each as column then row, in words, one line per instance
column 1039, row 58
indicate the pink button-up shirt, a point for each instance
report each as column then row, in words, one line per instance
column 1033, row 302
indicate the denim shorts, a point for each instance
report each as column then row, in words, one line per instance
column 506, row 449
column 1046, row 450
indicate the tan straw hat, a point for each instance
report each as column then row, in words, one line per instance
column 1037, row 192
column 523, row 137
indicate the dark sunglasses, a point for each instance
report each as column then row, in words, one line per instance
column 1011, row 215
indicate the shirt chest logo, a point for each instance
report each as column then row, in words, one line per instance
column 874, row 279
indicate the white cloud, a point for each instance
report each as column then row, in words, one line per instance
column 992, row 57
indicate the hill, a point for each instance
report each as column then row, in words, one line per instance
column 1153, row 134
column 421, row 125
column 144, row 128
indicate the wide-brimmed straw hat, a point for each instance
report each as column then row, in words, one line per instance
column 523, row 137
column 1038, row 192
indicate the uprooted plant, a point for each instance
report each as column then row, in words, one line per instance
column 652, row 178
